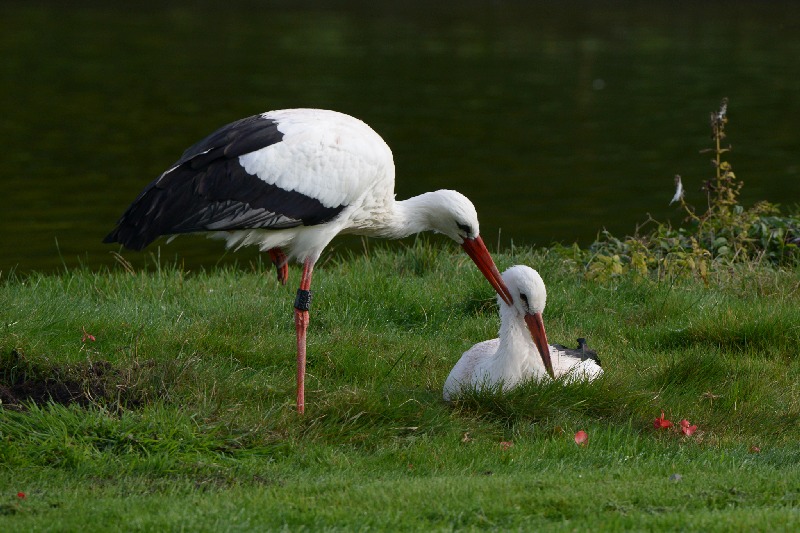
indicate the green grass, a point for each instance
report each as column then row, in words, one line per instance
column 186, row 417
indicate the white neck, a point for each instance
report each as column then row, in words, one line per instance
column 515, row 340
column 409, row 217
column 517, row 356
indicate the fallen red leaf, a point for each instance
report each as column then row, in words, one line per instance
column 21, row 495
column 581, row 438
column 686, row 428
column 661, row 422
column 87, row 336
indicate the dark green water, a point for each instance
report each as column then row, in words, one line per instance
column 557, row 119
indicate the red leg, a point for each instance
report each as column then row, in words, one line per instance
column 281, row 263
column 301, row 306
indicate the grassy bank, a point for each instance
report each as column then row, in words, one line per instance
column 175, row 401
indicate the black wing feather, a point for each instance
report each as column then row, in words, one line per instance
column 208, row 190
column 582, row 352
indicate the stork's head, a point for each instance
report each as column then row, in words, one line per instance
column 529, row 298
column 452, row 214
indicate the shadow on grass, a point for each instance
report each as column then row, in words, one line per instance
column 763, row 336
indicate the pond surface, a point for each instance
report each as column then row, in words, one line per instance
column 556, row 119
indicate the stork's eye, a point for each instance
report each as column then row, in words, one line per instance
column 465, row 228
column 524, row 298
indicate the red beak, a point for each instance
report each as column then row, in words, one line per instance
column 536, row 327
column 480, row 255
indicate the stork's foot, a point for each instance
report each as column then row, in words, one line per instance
column 281, row 263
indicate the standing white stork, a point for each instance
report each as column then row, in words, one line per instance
column 288, row 182
column 521, row 353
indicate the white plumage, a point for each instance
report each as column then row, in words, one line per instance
column 288, row 182
column 327, row 149
column 515, row 357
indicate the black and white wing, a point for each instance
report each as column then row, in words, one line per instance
column 276, row 170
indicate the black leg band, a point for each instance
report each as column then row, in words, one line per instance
column 303, row 300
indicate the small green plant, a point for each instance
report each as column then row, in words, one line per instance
column 724, row 234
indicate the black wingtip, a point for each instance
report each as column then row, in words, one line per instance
column 586, row 353
column 132, row 240
column 582, row 352
column 111, row 238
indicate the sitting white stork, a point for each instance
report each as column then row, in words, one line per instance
column 521, row 352
column 288, row 182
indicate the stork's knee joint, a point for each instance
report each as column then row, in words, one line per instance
column 303, row 300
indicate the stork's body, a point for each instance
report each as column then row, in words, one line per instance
column 288, row 182
column 515, row 357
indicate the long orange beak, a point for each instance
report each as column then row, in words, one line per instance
column 536, row 327
column 477, row 251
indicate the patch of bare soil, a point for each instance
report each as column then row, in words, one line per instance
column 24, row 382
